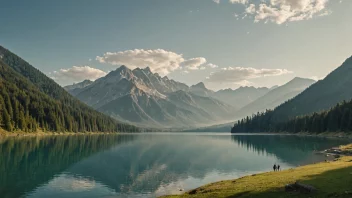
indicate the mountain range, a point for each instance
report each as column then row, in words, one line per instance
column 144, row 98
column 271, row 99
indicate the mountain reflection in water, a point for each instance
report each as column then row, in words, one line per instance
column 143, row 165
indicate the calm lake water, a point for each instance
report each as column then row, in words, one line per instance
column 143, row 165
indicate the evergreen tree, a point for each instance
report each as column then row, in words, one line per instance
column 7, row 121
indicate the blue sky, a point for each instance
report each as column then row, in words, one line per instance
column 262, row 47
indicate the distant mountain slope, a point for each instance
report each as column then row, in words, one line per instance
column 80, row 85
column 75, row 88
column 323, row 95
column 241, row 96
column 276, row 96
column 319, row 97
column 141, row 97
column 201, row 90
column 32, row 101
column 149, row 111
column 274, row 87
column 215, row 109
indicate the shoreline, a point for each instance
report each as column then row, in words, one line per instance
column 5, row 134
column 342, row 154
column 40, row 133
column 347, row 135
column 326, row 134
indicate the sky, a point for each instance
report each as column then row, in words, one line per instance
column 223, row 43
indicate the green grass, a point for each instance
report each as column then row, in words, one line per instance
column 332, row 179
column 346, row 148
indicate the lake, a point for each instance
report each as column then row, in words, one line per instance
column 143, row 165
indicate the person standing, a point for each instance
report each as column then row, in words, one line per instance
column 278, row 167
column 274, row 167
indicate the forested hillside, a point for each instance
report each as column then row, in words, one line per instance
column 30, row 101
column 40, row 80
column 338, row 118
column 310, row 110
column 321, row 96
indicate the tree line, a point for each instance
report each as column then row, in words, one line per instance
column 338, row 118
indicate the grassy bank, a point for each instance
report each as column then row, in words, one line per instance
column 331, row 179
column 40, row 133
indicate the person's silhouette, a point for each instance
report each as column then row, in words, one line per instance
column 278, row 167
column 274, row 167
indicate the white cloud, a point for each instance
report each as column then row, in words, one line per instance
column 211, row 65
column 194, row 63
column 159, row 60
column 250, row 9
column 78, row 73
column 239, row 1
column 202, row 68
column 237, row 75
column 281, row 11
column 233, row 1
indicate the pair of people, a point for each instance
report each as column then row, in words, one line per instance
column 276, row 167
